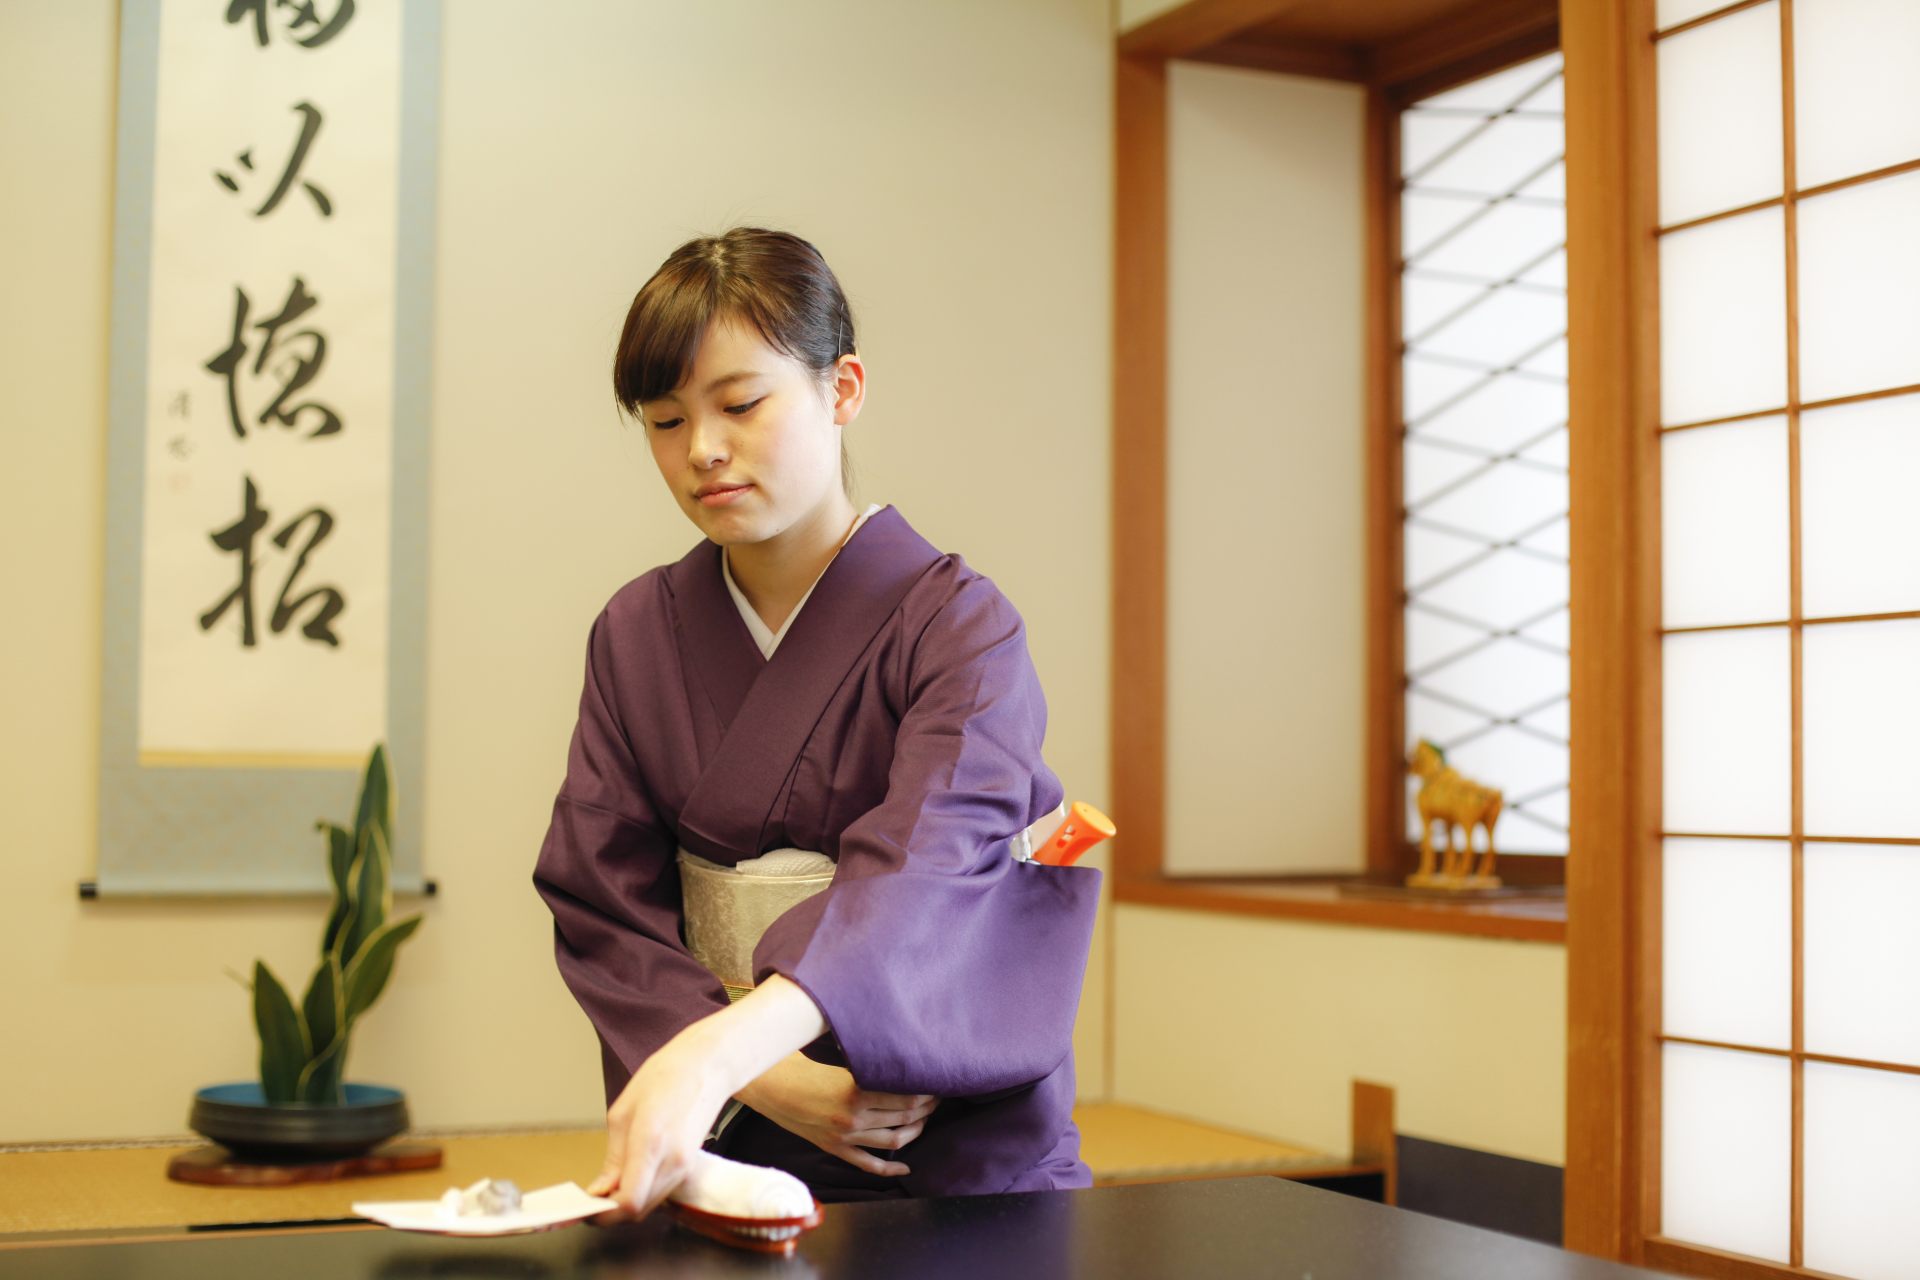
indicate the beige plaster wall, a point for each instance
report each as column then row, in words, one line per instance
column 1266, row 637
column 951, row 159
column 1131, row 13
column 1262, row 1024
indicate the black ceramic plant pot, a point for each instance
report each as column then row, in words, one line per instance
column 239, row 1118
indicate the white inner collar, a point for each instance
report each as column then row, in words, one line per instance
column 769, row 640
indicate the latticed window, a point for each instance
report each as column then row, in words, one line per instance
column 1484, row 460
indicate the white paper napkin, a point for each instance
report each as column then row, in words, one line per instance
column 548, row 1207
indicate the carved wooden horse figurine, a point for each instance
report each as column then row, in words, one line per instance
column 1452, row 800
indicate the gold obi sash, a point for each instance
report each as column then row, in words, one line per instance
column 726, row 910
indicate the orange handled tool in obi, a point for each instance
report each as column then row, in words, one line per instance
column 1084, row 828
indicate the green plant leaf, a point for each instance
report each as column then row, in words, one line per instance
column 372, row 895
column 326, row 1013
column 321, row 1079
column 375, row 807
column 368, row 975
column 283, row 1037
column 325, row 1006
column 339, row 870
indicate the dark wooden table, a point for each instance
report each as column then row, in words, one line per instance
column 1217, row 1229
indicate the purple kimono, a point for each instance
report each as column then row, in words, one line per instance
column 896, row 729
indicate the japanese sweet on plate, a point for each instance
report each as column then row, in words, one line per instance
column 488, row 1208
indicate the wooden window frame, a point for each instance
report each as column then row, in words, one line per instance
column 1613, row 958
column 1492, row 35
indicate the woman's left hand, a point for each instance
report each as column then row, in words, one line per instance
column 653, row 1128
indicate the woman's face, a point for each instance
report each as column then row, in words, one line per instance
column 749, row 442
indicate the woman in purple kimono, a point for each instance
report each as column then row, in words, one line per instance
column 810, row 677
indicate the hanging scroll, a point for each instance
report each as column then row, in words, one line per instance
column 266, row 548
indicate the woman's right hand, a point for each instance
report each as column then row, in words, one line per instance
column 823, row 1105
column 655, row 1126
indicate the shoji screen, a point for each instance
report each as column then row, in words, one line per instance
column 1483, row 296
column 1789, row 252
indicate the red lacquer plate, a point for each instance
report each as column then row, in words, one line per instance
column 761, row 1235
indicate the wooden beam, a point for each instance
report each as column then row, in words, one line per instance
column 1385, row 785
column 1612, row 321
column 1373, row 1137
column 1470, row 42
column 1184, row 31
column 1266, row 898
column 1321, row 59
column 1138, row 694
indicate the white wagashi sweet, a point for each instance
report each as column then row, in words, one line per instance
column 734, row 1190
column 486, row 1198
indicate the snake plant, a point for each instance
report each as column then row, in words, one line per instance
column 303, row 1048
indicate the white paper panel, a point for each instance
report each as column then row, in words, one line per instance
column 1426, row 216
column 1429, row 638
column 1518, row 764
column 1727, row 949
column 1498, row 328
column 1500, row 502
column 1499, row 414
column 1726, row 1165
column 1723, row 318
column 1863, row 951
column 1551, row 184
column 1552, row 270
column 1860, row 289
column 1425, row 469
column 1720, row 120
column 1551, row 96
column 1554, row 538
column 1861, row 685
column 1425, row 135
column 1504, row 677
column 1436, row 720
column 1425, row 301
column 1508, row 152
column 1555, row 629
column 1495, row 244
column 1856, row 97
column 1860, row 508
column 1725, row 726
column 1428, row 553
column 1502, row 590
column 1862, row 1176
column 1724, row 554
column 1428, row 387
column 1524, row 84
column 1550, row 360
column 1671, row 13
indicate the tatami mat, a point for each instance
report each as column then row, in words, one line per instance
column 127, row 1187
column 1128, row 1144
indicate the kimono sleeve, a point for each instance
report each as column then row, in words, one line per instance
column 941, row 964
column 607, row 872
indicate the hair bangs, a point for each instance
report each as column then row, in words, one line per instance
column 772, row 281
column 661, row 337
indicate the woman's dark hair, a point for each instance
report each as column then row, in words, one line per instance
column 773, row 280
